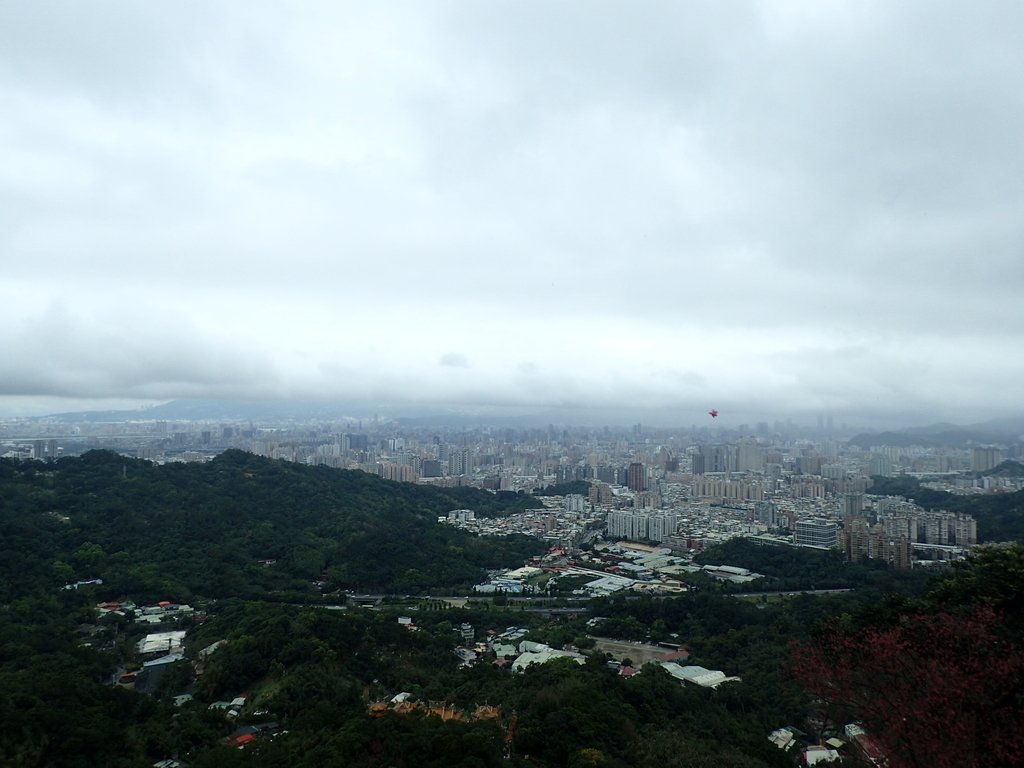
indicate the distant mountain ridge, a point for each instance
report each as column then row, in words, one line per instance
column 994, row 431
column 303, row 411
column 1000, row 430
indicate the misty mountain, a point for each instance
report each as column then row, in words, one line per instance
column 413, row 415
column 994, row 431
column 307, row 411
column 223, row 410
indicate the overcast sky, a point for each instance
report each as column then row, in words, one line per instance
column 768, row 208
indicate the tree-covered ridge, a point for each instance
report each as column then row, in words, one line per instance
column 1007, row 468
column 320, row 672
column 936, row 680
column 566, row 714
column 240, row 525
column 798, row 568
column 315, row 673
column 1000, row 516
column 581, row 487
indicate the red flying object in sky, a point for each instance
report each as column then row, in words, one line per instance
column 713, row 413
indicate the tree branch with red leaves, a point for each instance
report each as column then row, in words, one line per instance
column 939, row 690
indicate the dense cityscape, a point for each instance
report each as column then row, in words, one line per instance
column 685, row 489
column 509, row 560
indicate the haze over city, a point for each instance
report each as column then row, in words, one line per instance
column 764, row 208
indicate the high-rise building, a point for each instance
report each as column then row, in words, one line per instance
column 880, row 465
column 936, row 528
column 856, row 538
column 636, row 477
column 749, row 457
column 564, row 474
column 647, row 500
column 965, row 531
column 717, row 458
column 717, row 488
column 984, row 459
column 641, row 525
column 895, row 551
column 459, row 462
column 806, row 489
column 853, row 505
column 899, row 523
column 816, row 533
column 764, row 512
column 576, row 503
column 626, row 525
column 809, row 465
column 698, row 464
column 399, row 472
column 833, row 471
column 944, row 528
column 661, row 526
column 600, row 493
column 356, row 442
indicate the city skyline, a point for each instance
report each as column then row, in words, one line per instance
column 762, row 208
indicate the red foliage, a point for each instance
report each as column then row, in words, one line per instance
column 941, row 691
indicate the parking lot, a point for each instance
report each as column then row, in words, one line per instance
column 638, row 653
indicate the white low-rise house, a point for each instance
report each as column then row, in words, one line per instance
column 606, row 585
column 205, row 652
column 814, row 755
column 500, row 584
column 783, row 738
column 528, row 646
column 84, row 583
column 160, row 661
column 502, row 650
column 514, row 633
column 543, row 657
column 731, row 573
column 161, row 642
column 523, row 573
column 706, row 678
column 230, row 708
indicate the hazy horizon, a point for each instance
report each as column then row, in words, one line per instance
column 518, row 417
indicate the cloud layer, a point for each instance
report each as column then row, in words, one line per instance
column 779, row 207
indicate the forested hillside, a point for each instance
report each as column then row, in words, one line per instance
column 1000, row 516
column 931, row 665
column 183, row 530
column 797, row 568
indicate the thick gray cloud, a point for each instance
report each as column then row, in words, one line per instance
column 777, row 206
